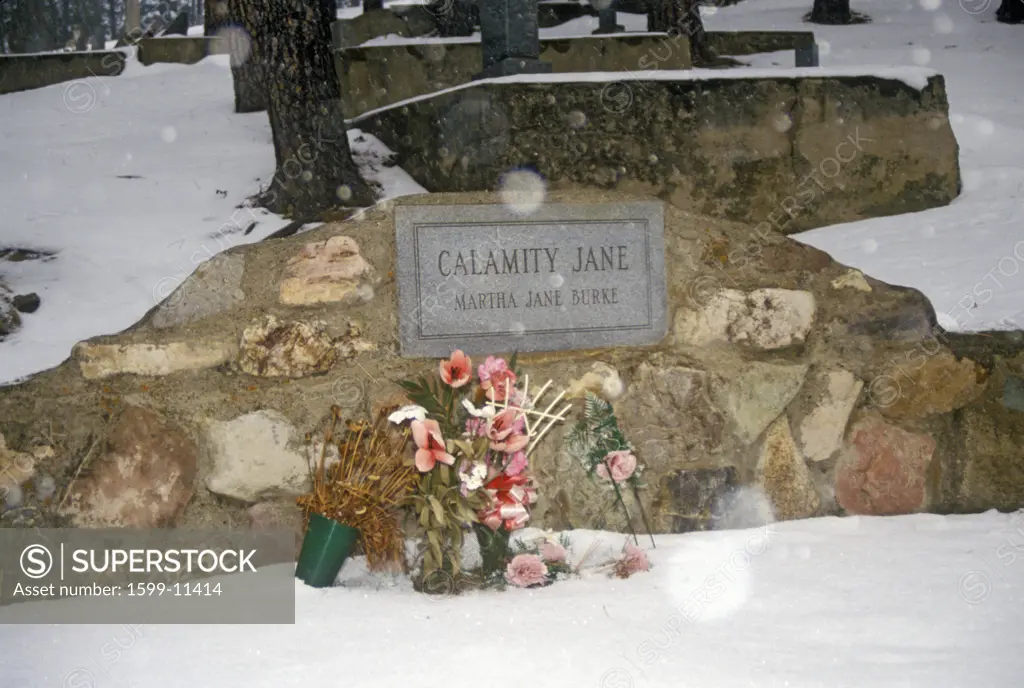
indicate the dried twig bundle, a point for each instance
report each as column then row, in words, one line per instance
column 366, row 486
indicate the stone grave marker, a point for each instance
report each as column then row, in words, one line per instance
column 568, row 276
column 607, row 18
column 510, row 38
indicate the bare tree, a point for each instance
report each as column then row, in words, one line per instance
column 216, row 15
column 132, row 17
column 831, row 12
column 1011, row 12
column 681, row 17
column 315, row 170
column 247, row 44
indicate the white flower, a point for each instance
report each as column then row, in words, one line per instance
column 474, row 478
column 485, row 412
column 405, row 413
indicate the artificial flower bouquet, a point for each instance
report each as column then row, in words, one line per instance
column 541, row 561
column 473, row 443
column 355, row 497
column 600, row 445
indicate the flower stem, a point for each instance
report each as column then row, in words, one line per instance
column 636, row 495
column 618, row 494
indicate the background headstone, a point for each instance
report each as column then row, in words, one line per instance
column 509, row 36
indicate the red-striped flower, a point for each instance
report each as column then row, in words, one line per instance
column 457, row 370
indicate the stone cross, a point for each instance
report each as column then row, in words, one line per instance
column 606, row 19
column 510, row 38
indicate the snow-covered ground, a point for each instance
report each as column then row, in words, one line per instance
column 911, row 602
column 133, row 181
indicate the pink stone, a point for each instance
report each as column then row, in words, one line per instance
column 882, row 471
column 327, row 271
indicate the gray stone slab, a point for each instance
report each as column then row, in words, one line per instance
column 214, row 287
column 485, row 279
column 1013, row 393
column 509, row 30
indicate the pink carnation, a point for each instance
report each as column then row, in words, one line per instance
column 496, row 379
column 525, row 570
column 553, row 552
column 476, row 427
column 633, row 560
column 492, row 366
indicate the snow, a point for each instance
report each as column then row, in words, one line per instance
column 909, row 601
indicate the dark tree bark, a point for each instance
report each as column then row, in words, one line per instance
column 455, row 17
column 315, row 170
column 33, row 26
column 1011, row 12
column 681, row 17
column 215, row 16
column 248, row 49
column 177, row 27
column 831, row 12
column 112, row 22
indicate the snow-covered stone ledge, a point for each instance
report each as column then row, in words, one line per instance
column 179, row 49
column 391, row 69
column 36, row 70
column 794, row 149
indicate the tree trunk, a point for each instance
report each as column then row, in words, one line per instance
column 454, row 17
column 831, row 12
column 132, row 19
column 216, row 15
column 1011, row 12
column 112, row 17
column 248, row 49
column 681, row 17
column 315, row 170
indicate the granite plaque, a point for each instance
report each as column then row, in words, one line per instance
column 484, row 279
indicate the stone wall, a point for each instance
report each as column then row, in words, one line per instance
column 409, row 21
column 378, row 76
column 831, row 392
column 753, row 42
column 797, row 153
column 178, row 49
column 24, row 72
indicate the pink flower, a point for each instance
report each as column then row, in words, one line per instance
column 457, row 370
column 633, row 560
column 491, row 366
column 553, row 552
column 622, row 464
column 516, row 463
column 476, row 427
column 501, row 431
column 496, row 379
column 431, row 449
column 525, row 570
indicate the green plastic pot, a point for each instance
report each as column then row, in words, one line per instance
column 324, row 550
